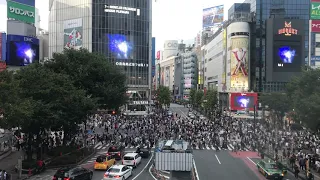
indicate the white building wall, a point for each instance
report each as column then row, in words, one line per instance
column 167, row 72
column 37, row 21
column 213, row 69
column 170, row 48
column 234, row 28
column 62, row 10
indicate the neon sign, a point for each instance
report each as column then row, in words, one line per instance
column 287, row 30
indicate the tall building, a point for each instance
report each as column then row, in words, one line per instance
column 270, row 9
column 190, row 72
column 121, row 30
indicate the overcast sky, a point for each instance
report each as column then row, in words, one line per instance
column 172, row 19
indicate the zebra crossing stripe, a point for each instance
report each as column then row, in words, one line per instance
column 229, row 147
column 97, row 145
column 207, row 147
column 213, row 147
column 104, row 147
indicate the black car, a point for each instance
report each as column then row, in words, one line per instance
column 117, row 151
column 74, row 173
column 144, row 152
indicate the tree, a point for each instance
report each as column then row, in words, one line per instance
column 163, row 96
column 278, row 103
column 198, row 98
column 192, row 96
column 93, row 73
column 303, row 92
column 211, row 100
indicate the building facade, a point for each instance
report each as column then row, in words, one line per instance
column 121, row 30
column 167, row 70
column 190, row 72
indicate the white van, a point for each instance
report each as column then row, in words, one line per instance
column 131, row 159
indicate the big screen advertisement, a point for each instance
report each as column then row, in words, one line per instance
column 20, row 12
column 239, row 63
column 73, row 31
column 213, row 16
column 22, row 50
column 243, row 101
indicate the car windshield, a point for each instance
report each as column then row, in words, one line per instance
column 128, row 158
column 113, row 170
column 271, row 166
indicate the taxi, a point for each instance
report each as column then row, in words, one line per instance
column 104, row 162
column 271, row 170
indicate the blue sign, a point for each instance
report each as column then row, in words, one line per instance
column 26, row 2
column 153, row 57
column 3, row 46
column 315, row 58
column 18, row 38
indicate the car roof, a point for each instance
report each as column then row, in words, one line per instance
column 118, row 166
column 130, row 154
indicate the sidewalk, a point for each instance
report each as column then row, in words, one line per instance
column 8, row 163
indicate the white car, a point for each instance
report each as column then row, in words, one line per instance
column 118, row 172
column 192, row 116
column 131, row 159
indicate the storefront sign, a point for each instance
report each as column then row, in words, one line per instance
column 132, row 64
column 20, row 12
column 315, row 10
column 315, row 26
column 288, row 30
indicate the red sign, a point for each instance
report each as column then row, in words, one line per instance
column 315, row 26
column 243, row 101
column 287, row 30
column 3, row 66
column 158, row 54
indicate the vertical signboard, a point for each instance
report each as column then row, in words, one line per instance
column 212, row 16
column 224, row 70
column 239, row 62
column 315, row 26
column 20, row 12
column 315, row 9
column 73, row 30
column 153, row 57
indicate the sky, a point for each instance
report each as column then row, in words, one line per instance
column 171, row 19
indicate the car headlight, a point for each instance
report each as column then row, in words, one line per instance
column 282, row 174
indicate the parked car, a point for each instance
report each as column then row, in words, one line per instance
column 74, row 173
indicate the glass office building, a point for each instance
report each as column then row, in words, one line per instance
column 119, row 29
column 263, row 10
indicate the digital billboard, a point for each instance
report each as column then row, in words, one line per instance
column 20, row 12
column 239, row 67
column 26, row 2
column 287, row 57
column 243, row 101
column 212, row 16
column 120, row 46
column 22, row 50
column 73, row 30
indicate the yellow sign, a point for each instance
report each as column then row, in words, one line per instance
column 239, row 67
column 287, row 30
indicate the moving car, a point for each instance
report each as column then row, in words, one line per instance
column 169, row 113
column 271, row 170
column 144, row 152
column 118, row 172
column 192, row 116
column 131, row 159
column 74, row 173
column 117, row 151
column 103, row 162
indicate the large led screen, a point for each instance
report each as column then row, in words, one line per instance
column 287, row 58
column 120, row 46
column 23, row 53
column 243, row 101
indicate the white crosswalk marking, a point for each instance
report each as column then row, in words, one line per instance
column 207, row 147
column 229, row 147
column 213, row 148
column 97, row 145
column 104, row 147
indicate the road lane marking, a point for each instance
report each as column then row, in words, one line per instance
column 182, row 112
column 144, row 168
column 217, row 159
column 195, row 169
column 151, row 173
column 251, row 161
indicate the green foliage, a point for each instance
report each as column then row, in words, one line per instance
column 163, row 96
column 211, row 100
column 93, row 73
column 198, row 98
column 303, row 92
column 192, row 96
column 278, row 103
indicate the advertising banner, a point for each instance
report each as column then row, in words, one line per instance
column 158, row 55
column 243, row 101
column 212, row 16
column 73, row 30
column 22, row 50
column 224, row 70
column 26, row 2
column 20, row 12
column 315, row 10
column 239, row 66
column 315, row 26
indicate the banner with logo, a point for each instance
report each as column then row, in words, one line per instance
column 239, row 67
column 73, row 33
column 315, row 26
column 20, row 12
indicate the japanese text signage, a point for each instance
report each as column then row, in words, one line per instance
column 288, row 30
column 315, row 26
column 315, row 9
column 20, row 12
